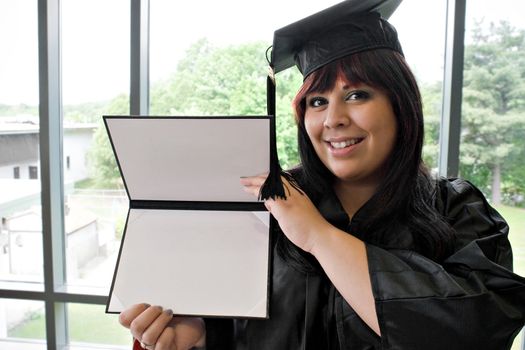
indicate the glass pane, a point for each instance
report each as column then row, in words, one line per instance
column 218, row 67
column 104, row 329
column 425, row 58
column 20, row 212
column 22, row 324
column 492, row 152
column 95, row 55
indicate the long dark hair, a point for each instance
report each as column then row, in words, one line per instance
column 405, row 198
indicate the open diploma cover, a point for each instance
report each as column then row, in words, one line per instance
column 194, row 241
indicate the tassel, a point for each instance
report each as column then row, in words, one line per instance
column 273, row 187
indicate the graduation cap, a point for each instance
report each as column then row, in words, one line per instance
column 341, row 30
column 346, row 28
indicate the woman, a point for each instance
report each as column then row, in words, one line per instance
column 373, row 253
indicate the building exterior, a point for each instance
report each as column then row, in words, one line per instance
column 19, row 149
column 20, row 200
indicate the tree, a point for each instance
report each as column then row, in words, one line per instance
column 229, row 80
column 211, row 81
column 493, row 116
column 431, row 95
column 101, row 160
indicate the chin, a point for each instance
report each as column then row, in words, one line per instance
column 344, row 175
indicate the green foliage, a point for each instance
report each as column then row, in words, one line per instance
column 493, row 116
column 287, row 85
column 101, row 160
column 210, row 81
column 20, row 109
column 431, row 96
column 229, row 81
column 215, row 81
column 85, row 112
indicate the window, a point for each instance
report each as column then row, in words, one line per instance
column 492, row 149
column 71, row 225
column 20, row 199
column 216, row 54
column 425, row 58
column 23, row 322
column 33, row 172
column 96, row 82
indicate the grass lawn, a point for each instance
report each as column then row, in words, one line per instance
column 516, row 219
column 87, row 324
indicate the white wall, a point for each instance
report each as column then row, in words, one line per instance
column 77, row 142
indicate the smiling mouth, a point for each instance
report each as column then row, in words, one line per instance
column 345, row 144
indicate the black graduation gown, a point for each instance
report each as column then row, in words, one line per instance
column 471, row 301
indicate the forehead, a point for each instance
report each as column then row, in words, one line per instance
column 343, row 85
column 327, row 78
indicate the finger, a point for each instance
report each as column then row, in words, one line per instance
column 262, row 175
column 253, row 180
column 189, row 332
column 253, row 190
column 144, row 320
column 166, row 340
column 155, row 329
column 127, row 316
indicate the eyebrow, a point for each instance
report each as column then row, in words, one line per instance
column 349, row 86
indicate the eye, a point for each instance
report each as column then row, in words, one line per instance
column 316, row 101
column 357, row 95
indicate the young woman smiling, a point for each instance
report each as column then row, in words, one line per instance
column 371, row 252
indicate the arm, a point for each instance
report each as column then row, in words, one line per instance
column 342, row 256
column 418, row 303
column 344, row 260
column 470, row 301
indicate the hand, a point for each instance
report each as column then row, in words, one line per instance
column 298, row 218
column 158, row 328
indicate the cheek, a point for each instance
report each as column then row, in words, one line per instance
column 311, row 126
column 388, row 135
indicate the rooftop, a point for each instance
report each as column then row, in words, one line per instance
column 31, row 125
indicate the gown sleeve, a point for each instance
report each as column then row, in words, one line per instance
column 471, row 301
column 219, row 334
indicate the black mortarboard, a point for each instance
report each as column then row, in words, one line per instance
column 346, row 28
column 349, row 27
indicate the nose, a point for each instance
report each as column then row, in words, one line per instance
column 336, row 115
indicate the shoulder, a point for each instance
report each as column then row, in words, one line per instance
column 452, row 194
column 454, row 185
column 467, row 210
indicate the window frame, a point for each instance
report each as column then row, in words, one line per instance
column 55, row 293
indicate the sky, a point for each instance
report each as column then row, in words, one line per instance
column 95, row 38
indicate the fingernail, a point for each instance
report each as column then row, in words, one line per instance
column 169, row 312
column 146, row 305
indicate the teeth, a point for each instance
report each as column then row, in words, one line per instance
column 344, row 144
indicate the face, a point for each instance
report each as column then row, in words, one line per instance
column 353, row 131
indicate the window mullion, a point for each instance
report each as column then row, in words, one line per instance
column 450, row 132
column 139, row 55
column 50, row 111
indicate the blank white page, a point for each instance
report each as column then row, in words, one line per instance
column 190, row 159
column 212, row 263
